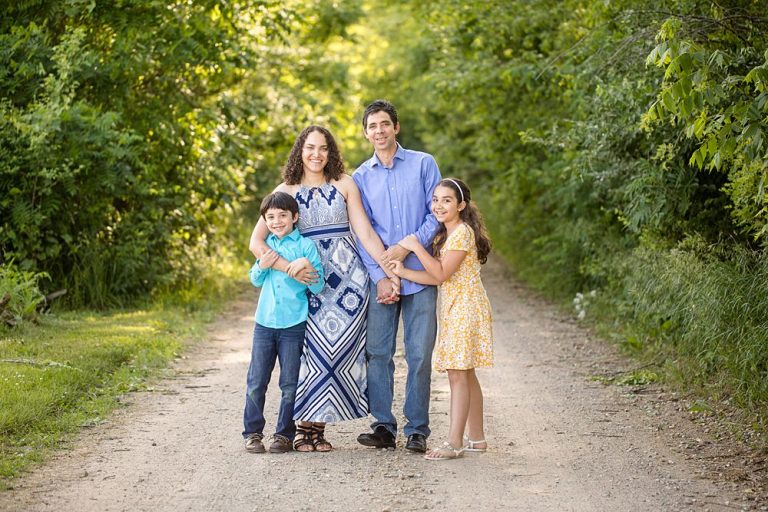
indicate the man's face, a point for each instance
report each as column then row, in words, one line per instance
column 381, row 131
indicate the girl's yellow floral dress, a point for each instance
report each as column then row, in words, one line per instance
column 464, row 339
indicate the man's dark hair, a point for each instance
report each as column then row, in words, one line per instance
column 281, row 201
column 379, row 106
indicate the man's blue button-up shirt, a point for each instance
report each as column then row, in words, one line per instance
column 398, row 203
column 283, row 300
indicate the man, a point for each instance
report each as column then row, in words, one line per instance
column 396, row 185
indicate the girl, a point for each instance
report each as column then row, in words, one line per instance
column 465, row 340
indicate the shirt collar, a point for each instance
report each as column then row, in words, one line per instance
column 293, row 235
column 399, row 154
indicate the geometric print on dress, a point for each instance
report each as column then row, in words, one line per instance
column 350, row 301
column 329, row 372
column 315, row 193
column 342, row 257
column 333, row 324
column 333, row 280
column 332, row 380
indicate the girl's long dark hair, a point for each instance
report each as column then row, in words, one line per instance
column 294, row 167
column 470, row 215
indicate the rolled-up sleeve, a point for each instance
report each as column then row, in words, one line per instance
column 430, row 178
column 314, row 258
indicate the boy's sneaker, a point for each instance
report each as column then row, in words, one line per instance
column 253, row 443
column 280, row 444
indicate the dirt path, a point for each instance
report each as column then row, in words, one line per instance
column 560, row 441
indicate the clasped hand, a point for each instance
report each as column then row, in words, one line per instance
column 388, row 288
column 302, row 270
column 268, row 258
column 396, row 267
column 400, row 250
column 299, row 269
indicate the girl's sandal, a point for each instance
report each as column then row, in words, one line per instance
column 319, row 442
column 445, row 452
column 303, row 441
column 471, row 446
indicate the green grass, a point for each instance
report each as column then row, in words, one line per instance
column 698, row 317
column 69, row 371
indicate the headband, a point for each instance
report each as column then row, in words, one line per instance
column 458, row 187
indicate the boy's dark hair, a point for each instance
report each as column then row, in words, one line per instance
column 379, row 106
column 281, row 201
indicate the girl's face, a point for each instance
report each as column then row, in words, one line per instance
column 445, row 205
column 314, row 154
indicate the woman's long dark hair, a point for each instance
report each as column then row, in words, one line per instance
column 294, row 167
column 470, row 215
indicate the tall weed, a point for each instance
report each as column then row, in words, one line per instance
column 703, row 308
column 19, row 294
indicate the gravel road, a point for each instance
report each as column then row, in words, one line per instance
column 560, row 440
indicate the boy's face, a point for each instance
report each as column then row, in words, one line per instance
column 280, row 222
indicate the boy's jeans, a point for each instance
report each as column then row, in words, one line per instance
column 269, row 344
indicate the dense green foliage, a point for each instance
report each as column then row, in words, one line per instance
column 131, row 131
column 134, row 137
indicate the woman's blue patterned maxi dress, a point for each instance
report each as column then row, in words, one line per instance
column 332, row 381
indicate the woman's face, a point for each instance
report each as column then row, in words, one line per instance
column 314, row 154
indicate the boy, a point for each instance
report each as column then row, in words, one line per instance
column 280, row 323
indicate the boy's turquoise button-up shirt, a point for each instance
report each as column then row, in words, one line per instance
column 283, row 300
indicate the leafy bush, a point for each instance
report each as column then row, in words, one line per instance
column 131, row 134
column 715, row 90
column 701, row 307
column 19, row 295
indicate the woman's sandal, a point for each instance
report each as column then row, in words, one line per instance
column 471, row 446
column 445, row 452
column 319, row 442
column 303, row 442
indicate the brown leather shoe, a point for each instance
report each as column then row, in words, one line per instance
column 253, row 443
column 280, row 444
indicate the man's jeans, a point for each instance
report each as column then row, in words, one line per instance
column 269, row 344
column 420, row 325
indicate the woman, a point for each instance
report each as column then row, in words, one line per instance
column 332, row 380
